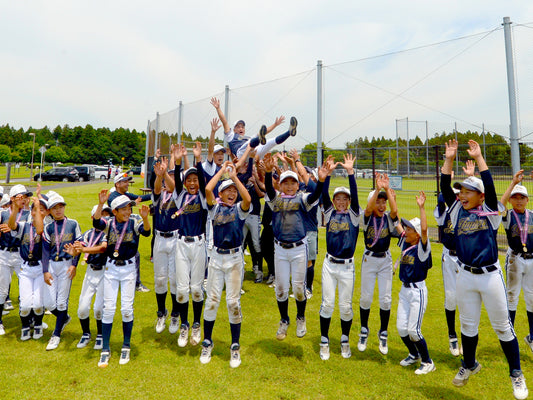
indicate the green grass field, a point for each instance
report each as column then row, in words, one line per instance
column 270, row 369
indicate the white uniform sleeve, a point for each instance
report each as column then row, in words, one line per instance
column 305, row 203
column 243, row 214
column 355, row 217
column 328, row 213
column 423, row 255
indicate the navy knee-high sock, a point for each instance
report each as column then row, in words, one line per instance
column 127, row 327
column 300, row 308
column 175, row 306
column 512, row 353
column 235, row 332
column 197, row 310
column 364, row 314
column 38, row 319
column 345, row 327
column 98, row 326
column 60, row 322
column 106, row 335
column 450, row 321
column 25, row 321
column 310, row 276
column 85, row 325
column 324, row 326
column 512, row 315
column 161, row 299
column 422, row 348
column 469, row 349
column 530, row 321
column 254, row 142
column 281, row 138
column 283, row 307
column 208, row 330
column 184, row 312
column 410, row 345
column 384, row 316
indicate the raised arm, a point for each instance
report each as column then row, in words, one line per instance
column 447, row 168
column 216, row 103
column 299, row 166
column 517, row 178
column 246, row 198
column 97, row 218
column 470, row 168
column 276, row 123
column 491, row 199
column 421, row 201
column 268, row 162
column 215, row 126
column 391, row 196
column 210, row 187
column 160, row 170
column 372, row 200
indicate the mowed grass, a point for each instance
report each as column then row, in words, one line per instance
column 270, row 369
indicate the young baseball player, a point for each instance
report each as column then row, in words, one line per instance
column 415, row 260
column 226, row 265
column 31, row 280
column 164, row 254
column 123, row 231
column 342, row 230
column 290, row 243
column 93, row 246
column 378, row 225
column 191, row 255
column 59, row 266
column 519, row 258
column 475, row 221
column 10, row 260
column 237, row 142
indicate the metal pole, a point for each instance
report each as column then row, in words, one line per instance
column 408, row 163
column 484, row 146
column 180, row 121
column 513, row 134
column 156, row 132
column 427, row 150
column 397, row 151
column 456, row 155
column 32, row 154
column 146, row 149
column 226, row 108
column 319, row 95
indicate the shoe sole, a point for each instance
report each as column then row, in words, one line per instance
column 294, row 124
column 529, row 344
column 460, row 383
column 262, row 135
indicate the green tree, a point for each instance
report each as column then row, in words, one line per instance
column 5, row 153
column 56, row 154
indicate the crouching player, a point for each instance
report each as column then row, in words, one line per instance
column 123, row 231
column 342, row 229
column 31, row 280
column 415, row 260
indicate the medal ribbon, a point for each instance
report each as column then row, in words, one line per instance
column 32, row 240
column 480, row 213
column 377, row 233
column 401, row 255
column 92, row 242
column 522, row 228
column 188, row 199
column 121, row 237
column 58, row 239
column 286, row 196
column 219, row 201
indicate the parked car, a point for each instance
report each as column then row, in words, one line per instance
column 85, row 172
column 135, row 170
column 64, row 174
column 100, row 172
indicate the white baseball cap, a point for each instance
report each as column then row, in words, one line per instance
column 104, row 208
column 19, row 189
column 121, row 178
column 121, row 202
column 341, row 189
column 5, row 200
column 226, row 184
column 471, row 183
column 239, row 121
column 414, row 224
column 519, row 189
column 1, row 190
column 288, row 174
column 55, row 200
column 218, row 148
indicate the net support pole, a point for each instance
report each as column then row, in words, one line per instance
column 319, row 110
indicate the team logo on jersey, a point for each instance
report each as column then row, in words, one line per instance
column 466, row 226
column 221, row 219
column 336, row 226
column 281, row 205
column 67, row 238
column 26, row 238
column 448, row 228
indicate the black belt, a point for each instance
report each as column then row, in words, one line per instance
column 227, row 251
column 60, row 259
column 97, row 267
column 12, row 249
column 289, row 245
column 525, row 256
column 339, row 260
column 121, row 263
column 32, row 263
column 452, row 253
column 167, row 234
column 378, row 254
column 478, row 270
column 410, row 285
column 191, row 239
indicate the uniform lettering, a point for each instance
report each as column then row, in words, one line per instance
column 286, row 206
column 335, row 226
column 466, row 226
column 221, row 219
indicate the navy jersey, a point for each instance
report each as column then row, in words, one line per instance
column 6, row 239
column 311, row 218
column 414, row 262
column 235, row 141
column 164, row 208
column 193, row 208
column 227, row 225
column 26, row 234
column 93, row 238
column 256, row 200
column 371, row 226
column 114, row 194
column 56, row 235
column 210, row 169
column 444, row 223
column 113, row 230
column 512, row 229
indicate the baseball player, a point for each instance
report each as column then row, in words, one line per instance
column 93, row 246
column 415, row 260
column 59, row 266
column 252, row 225
column 123, row 231
column 290, row 243
column 226, row 264
column 342, row 230
column 475, row 221
column 164, row 258
column 191, row 256
column 237, row 142
column 519, row 258
column 31, row 280
column 379, row 227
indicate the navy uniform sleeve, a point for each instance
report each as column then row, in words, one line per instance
column 446, row 188
column 353, row 193
column 326, row 200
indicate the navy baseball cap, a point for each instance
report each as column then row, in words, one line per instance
column 191, row 170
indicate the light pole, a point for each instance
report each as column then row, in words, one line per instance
column 32, row 154
column 42, row 149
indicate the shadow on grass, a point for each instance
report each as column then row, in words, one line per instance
column 278, row 348
column 436, row 392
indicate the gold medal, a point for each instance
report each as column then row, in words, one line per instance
column 57, row 258
column 83, row 262
column 524, row 248
column 30, row 256
column 115, row 254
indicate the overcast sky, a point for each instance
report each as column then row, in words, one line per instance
column 116, row 63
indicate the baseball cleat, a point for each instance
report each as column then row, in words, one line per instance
column 301, row 328
column 258, row 276
column 346, row 352
column 184, row 335
column 363, row 339
column 5, row 312
column 464, row 373
column 529, row 342
column 196, row 334
column 308, row 293
column 262, row 135
column 425, row 368
column 8, row 305
column 98, row 343
column 294, row 124
column 104, row 359
column 84, row 341
column 124, row 356
column 25, row 334
column 53, row 343
column 2, row 330
column 142, row 288
column 324, row 351
column 382, row 339
column 519, row 385
column 207, row 348
column 160, row 323
column 37, row 332
column 454, row 347
column 174, row 325
column 282, row 330
column 235, row 359
column 44, row 325
column 270, row 279
column 409, row 360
